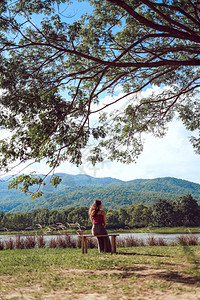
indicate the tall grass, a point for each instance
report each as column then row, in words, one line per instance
column 19, row 242
column 130, row 241
column 92, row 243
column 52, row 243
column 41, row 242
column 1, row 245
column 30, row 242
column 151, row 241
column 190, row 240
column 66, row 241
column 10, row 244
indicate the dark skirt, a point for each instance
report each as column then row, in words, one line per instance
column 103, row 242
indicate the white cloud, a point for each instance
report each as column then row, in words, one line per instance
column 172, row 156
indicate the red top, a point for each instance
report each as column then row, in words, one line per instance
column 98, row 219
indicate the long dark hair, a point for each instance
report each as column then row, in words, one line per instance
column 95, row 208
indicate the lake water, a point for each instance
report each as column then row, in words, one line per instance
column 169, row 238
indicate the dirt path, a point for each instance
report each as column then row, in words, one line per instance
column 63, row 295
column 144, row 283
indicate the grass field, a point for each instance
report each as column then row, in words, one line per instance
column 181, row 230
column 156, row 272
column 164, row 230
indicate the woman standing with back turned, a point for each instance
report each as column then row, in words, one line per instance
column 98, row 218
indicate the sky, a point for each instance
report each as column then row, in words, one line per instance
column 169, row 156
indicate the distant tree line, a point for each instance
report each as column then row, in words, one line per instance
column 164, row 213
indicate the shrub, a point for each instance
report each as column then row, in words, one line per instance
column 69, row 242
column 52, row 243
column 9, row 244
column 41, row 242
column 133, row 242
column 130, row 241
column 61, row 242
column 121, row 243
column 161, row 242
column 141, row 242
column 79, row 242
column 73, row 244
column 30, row 242
column 1, row 245
column 182, row 240
column 19, row 242
column 187, row 240
column 193, row 240
column 151, row 241
column 92, row 243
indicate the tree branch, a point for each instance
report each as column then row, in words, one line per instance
column 163, row 28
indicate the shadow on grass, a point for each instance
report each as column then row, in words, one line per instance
column 173, row 277
column 143, row 254
column 162, row 273
column 178, row 278
column 159, row 274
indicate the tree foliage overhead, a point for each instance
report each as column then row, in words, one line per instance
column 54, row 71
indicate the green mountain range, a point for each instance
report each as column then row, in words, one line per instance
column 82, row 190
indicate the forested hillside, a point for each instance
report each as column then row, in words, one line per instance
column 184, row 211
column 81, row 190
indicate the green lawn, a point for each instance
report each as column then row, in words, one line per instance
column 133, row 273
